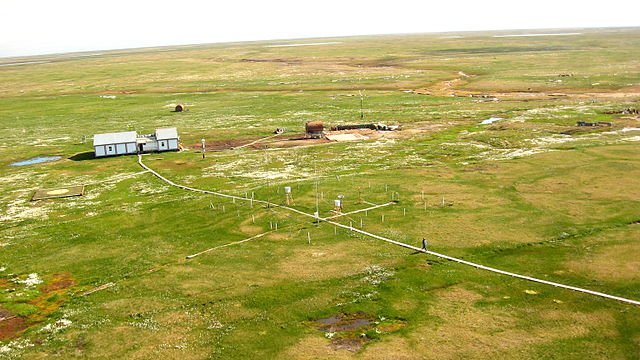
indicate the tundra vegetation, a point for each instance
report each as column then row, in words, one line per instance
column 104, row 275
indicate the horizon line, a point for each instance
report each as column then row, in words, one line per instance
column 102, row 51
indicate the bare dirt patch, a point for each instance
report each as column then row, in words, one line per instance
column 59, row 282
column 220, row 145
column 291, row 141
column 12, row 326
column 351, row 331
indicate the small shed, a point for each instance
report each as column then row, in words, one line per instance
column 112, row 144
column 167, row 139
column 314, row 129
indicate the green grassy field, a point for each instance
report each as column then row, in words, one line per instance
column 531, row 193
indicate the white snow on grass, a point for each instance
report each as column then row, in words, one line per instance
column 22, row 209
column 15, row 346
column 507, row 154
column 31, row 280
column 57, row 326
column 288, row 172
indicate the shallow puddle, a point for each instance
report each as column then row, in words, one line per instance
column 490, row 120
column 36, row 160
column 343, row 322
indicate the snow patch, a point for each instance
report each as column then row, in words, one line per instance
column 31, row 280
column 490, row 120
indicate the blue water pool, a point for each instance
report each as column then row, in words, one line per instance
column 36, row 160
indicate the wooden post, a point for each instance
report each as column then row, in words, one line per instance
column 404, row 211
column 253, row 219
column 383, row 218
column 309, row 237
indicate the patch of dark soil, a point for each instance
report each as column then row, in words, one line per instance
column 10, row 325
column 59, row 282
column 220, row 145
column 352, row 331
column 293, row 141
column 289, row 143
column 52, row 296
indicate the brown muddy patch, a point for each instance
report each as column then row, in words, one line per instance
column 52, row 296
column 59, row 282
column 220, row 145
column 352, row 331
column 11, row 325
column 255, row 143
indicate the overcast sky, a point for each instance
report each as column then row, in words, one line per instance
column 30, row 27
